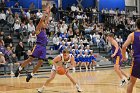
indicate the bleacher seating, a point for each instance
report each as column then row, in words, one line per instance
column 52, row 53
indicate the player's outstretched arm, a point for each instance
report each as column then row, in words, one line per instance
column 41, row 22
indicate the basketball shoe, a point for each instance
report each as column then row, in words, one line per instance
column 78, row 88
column 29, row 76
column 123, row 82
column 17, row 73
column 40, row 90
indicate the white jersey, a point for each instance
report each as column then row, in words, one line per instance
column 64, row 63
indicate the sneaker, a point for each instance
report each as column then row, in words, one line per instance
column 78, row 88
column 90, row 68
column 123, row 82
column 29, row 76
column 97, row 65
column 40, row 90
column 17, row 73
column 12, row 74
column 80, row 69
column 86, row 69
column 73, row 70
column 94, row 68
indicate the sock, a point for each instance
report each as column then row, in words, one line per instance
column 20, row 68
column 123, row 79
column 76, row 85
column 43, row 86
column 73, row 68
column 32, row 74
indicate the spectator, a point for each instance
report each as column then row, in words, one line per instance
column 32, row 39
column 39, row 14
column 8, row 54
column 23, row 16
column 13, row 62
column 2, row 5
column 70, row 33
column 52, row 28
column 119, row 40
column 17, row 17
column 23, row 31
column 3, row 62
column 8, row 12
column 54, row 12
column 10, row 20
column 3, row 18
column 64, row 35
column 20, row 50
column 2, row 36
column 77, row 32
column 2, row 48
column 8, row 40
column 17, row 5
column 73, row 8
column 62, row 47
column 56, row 41
column 17, row 27
column 63, row 27
column 32, row 7
column 28, row 14
column 30, row 27
column 14, row 59
column 75, row 40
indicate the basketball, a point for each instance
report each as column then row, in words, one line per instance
column 61, row 70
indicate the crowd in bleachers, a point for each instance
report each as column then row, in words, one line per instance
column 77, row 30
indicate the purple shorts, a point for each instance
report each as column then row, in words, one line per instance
column 39, row 51
column 135, row 70
column 117, row 60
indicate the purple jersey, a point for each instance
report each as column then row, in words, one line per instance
column 118, row 53
column 39, row 50
column 136, row 44
column 117, row 57
column 136, row 48
column 42, row 38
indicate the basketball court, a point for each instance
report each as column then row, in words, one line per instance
column 99, row 81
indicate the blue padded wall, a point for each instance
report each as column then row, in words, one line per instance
column 112, row 4
column 65, row 3
column 88, row 3
column 26, row 3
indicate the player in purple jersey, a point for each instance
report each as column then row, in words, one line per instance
column 133, row 38
column 117, row 56
column 39, row 50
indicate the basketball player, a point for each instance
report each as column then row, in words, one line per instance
column 62, row 60
column 133, row 38
column 39, row 50
column 117, row 57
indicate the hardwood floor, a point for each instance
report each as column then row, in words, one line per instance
column 100, row 81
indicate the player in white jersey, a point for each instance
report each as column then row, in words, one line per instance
column 62, row 60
